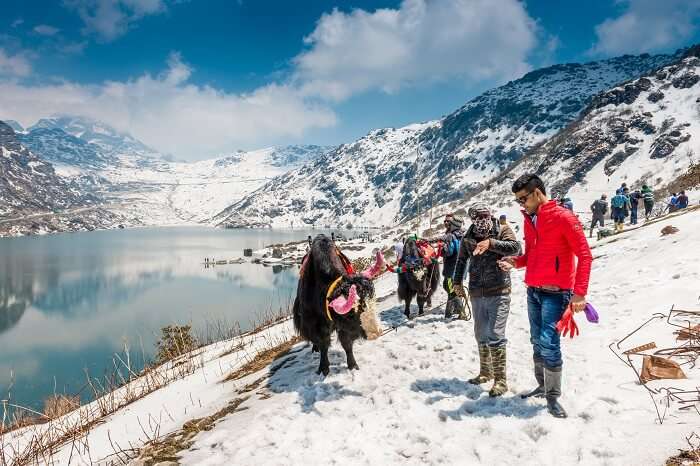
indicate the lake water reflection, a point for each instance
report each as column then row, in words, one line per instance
column 69, row 302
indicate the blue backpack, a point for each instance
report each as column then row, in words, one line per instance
column 618, row 201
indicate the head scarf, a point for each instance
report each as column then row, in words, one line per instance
column 482, row 222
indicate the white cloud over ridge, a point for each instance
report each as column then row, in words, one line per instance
column 647, row 26
column 171, row 114
column 421, row 42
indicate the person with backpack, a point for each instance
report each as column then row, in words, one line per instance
column 648, row 197
column 682, row 200
column 484, row 245
column 451, row 241
column 599, row 208
column 619, row 204
column 672, row 203
column 635, row 197
column 557, row 262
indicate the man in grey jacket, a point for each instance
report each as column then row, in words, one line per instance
column 483, row 246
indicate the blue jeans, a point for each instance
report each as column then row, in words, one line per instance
column 633, row 217
column 618, row 214
column 544, row 310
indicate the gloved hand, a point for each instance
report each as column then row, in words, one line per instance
column 567, row 324
column 591, row 313
column 459, row 290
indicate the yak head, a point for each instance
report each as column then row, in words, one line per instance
column 413, row 258
column 354, row 305
column 352, row 301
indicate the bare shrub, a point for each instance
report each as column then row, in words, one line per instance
column 175, row 340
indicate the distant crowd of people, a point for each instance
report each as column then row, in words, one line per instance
column 626, row 203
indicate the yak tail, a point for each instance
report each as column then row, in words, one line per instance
column 296, row 313
column 435, row 277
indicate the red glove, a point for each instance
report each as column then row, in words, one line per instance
column 567, row 324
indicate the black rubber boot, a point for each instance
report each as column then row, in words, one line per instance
column 539, row 376
column 552, row 390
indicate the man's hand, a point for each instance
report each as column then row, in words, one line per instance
column 459, row 290
column 506, row 263
column 482, row 247
column 578, row 303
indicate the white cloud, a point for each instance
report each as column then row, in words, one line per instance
column 46, row 30
column 172, row 115
column 110, row 19
column 647, row 26
column 17, row 23
column 421, row 42
column 14, row 65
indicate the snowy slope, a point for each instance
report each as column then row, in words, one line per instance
column 410, row 402
column 176, row 192
column 390, row 174
column 645, row 131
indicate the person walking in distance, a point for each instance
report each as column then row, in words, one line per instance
column 599, row 208
column 554, row 239
column 648, row 196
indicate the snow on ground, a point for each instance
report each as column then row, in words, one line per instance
column 410, row 402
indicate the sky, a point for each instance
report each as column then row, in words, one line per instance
column 200, row 78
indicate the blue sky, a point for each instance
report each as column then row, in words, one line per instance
column 200, row 77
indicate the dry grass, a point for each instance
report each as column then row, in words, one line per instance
column 69, row 428
column 689, row 457
column 56, row 406
column 263, row 359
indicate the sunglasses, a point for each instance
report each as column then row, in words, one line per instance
column 523, row 199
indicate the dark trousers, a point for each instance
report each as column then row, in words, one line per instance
column 618, row 214
column 544, row 309
column 598, row 219
column 633, row 217
column 648, row 207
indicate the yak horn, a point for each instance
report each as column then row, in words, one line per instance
column 341, row 305
column 376, row 268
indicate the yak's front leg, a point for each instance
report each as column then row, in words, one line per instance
column 421, row 302
column 323, row 345
column 346, row 341
column 407, row 309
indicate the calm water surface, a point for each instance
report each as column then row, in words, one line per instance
column 69, row 302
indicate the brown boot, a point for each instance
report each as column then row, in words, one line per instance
column 485, row 370
column 498, row 362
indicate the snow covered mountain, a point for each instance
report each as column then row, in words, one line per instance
column 645, row 131
column 59, row 147
column 109, row 140
column 35, row 199
column 390, row 174
column 28, row 183
column 135, row 185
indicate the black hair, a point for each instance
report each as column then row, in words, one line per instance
column 529, row 181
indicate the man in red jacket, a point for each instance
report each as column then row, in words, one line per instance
column 553, row 236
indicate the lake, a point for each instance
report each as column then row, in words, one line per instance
column 68, row 302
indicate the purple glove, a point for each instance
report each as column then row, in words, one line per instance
column 591, row 313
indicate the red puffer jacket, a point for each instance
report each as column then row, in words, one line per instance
column 550, row 248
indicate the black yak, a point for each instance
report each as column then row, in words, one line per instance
column 418, row 276
column 330, row 297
